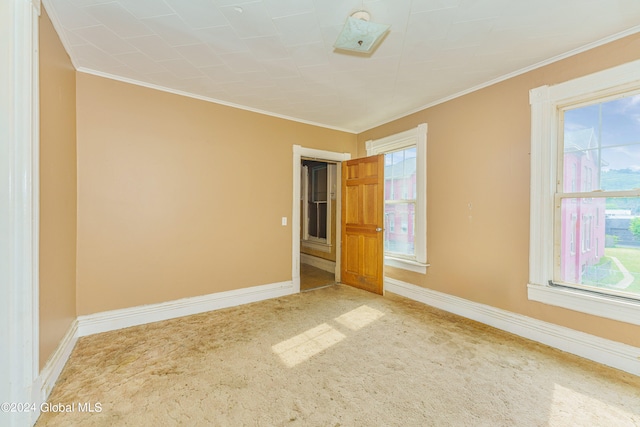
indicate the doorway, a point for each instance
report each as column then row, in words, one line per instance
column 318, row 189
column 316, row 217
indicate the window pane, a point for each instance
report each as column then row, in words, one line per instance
column 316, row 188
column 317, row 220
column 600, row 243
column 409, row 189
column 318, row 184
column 624, row 173
column 399, row 228
column 602, row 146
column 400, row 175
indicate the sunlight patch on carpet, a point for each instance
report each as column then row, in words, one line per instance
column 359, row 317
column 569, row 405
column 307, row 344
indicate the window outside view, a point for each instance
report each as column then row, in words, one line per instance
column 400, row 202
column 317, row 200
column 600, row 230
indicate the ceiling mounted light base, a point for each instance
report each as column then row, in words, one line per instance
column 359, row 34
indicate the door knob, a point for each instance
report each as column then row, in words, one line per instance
column 379, row 229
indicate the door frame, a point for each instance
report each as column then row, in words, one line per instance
column 19, row 210
column 300, row 152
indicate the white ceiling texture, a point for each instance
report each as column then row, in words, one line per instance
column 277, row 56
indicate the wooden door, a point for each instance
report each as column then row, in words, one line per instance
column 362, row 223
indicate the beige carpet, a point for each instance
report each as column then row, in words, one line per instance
column 335, row 356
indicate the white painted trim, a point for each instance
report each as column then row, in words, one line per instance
column 611, row 353
column 415, row 136
column 611, row 80
column 406, row 264
column 610, row 307
column 56, row 23
column 421, row 188
column 52, row 369
column 311, row 153
column 543, row 179
column 207, row 99
column 316, row 246
column 62, row 35
column 546, row 102
column 589, row 46
column 19, row 205
column 134, row 316
column 319, row 244
column 492, row 82
column 123, row 318
column 321, row 263
column 392, row 142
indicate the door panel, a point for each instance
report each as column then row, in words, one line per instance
column 370, row 267
column 362, row 222
column 369, row 204
column 351, row 213
column 351, row 259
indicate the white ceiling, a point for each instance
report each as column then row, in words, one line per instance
column 277, row 56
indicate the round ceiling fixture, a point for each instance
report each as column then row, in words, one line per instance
column 359, row 34
column 361, row 14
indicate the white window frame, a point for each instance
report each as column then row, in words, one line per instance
column 546, row 102
column 308, row 241
column 573, row 235
column 413, row 137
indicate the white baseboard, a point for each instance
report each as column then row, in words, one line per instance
column 52, row 369
column 140, row 315
column 607, row 352
column 321, row 263
column 118, row 319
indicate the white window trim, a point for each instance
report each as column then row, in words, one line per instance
column 309, row 241
column 545, row 104
column 317, row 246
column 418, row 137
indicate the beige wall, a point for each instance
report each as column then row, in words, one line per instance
column 179, row 197
column 478, row 192
column 57, row 190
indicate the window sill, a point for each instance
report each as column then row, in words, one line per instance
column 623, row 310
column 322, row 247
column 406, row 264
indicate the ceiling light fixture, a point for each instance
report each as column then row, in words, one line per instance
column 359, row 34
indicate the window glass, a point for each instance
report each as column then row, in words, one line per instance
column 600, row 232
column 400, row 201
column 606, row 257
column 605, row 138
